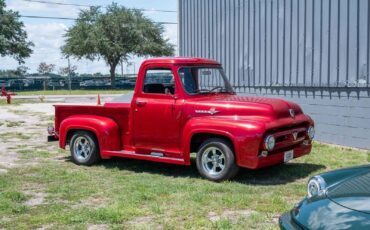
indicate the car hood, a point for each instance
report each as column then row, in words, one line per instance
column 352, row 193
column 322, row 213
column 247, row 106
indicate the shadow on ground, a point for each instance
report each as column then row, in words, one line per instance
column 280, row 174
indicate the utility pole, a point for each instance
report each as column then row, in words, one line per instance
column 128, row 65
column 69, row 76
column 122, row 68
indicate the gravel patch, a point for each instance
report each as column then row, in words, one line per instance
column 30, row 131
column 45, row 108
column 97, row 227
column 232, row 215
column 38, row 198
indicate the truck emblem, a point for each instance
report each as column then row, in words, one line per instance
column 210, row 111
column 292, row 113
column 295, row 135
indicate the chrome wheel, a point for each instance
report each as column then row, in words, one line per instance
column 213, row 161
column 82, row 148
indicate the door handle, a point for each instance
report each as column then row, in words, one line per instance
column 140, row 103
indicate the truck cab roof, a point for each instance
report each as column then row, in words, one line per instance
column 181, row 60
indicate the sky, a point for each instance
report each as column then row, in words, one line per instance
column 47, row 34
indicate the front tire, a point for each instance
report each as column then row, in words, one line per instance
column 84, row 148
column 216, row 160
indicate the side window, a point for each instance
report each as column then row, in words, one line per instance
column 189, row 79
column 160, row 81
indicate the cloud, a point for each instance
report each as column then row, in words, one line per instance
column 171, row 33
column 48, row 37
column 35, row 8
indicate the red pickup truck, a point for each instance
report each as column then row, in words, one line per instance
column 181, row 106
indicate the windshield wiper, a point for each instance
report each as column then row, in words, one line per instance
column 202, row 91
column 217, row 87
column 206, row 91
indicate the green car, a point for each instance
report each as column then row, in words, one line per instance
column 335, row 200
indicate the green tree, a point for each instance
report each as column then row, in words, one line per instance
column 115, row 35
column 65, row 71
column 13, row 37
column 45, row 69
column 21, row 70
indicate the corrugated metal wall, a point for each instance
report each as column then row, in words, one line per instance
column 313, row 52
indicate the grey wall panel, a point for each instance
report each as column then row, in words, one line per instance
column 339, row 120
column 306, row 43
column 313, row 52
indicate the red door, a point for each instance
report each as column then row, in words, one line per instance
column 157, row 115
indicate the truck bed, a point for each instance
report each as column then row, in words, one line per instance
column 119, row 112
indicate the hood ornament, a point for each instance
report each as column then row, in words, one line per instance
column 211, row 111
column 292, row 113
column 295, row 135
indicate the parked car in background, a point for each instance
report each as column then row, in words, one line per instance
column 185, row 105
column 126, row 83
column 95, row 83
column 335, row 200
column 16, row 84
column 102, row 83
column 87, row 83
column 28, row 83
column 4, row 83
column 56, row 83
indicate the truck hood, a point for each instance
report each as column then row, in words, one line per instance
column 352, row 193
column 222, row 105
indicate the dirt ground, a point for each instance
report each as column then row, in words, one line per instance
column 25, row 124
column 22, row 125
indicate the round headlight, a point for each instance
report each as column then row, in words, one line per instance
column 311, row 132
column 316, row 186
column 269, row 142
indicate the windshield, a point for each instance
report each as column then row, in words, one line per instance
column 204, row 80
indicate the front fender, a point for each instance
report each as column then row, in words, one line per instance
column 106, row 130
column 336, row 176
column 245, row 134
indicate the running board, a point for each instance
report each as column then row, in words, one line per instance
column 154, row 157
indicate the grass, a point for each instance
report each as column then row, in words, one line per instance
column 72, row 92
column 15, row 101
column 40, row 115
column 14, row 123
column 16, row 135
column 132, row 194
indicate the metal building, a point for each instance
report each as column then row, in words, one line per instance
column 313, row 52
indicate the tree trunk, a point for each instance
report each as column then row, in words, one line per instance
column 113, row 75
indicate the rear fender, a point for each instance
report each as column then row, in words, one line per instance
column 245, row 136
column 105, row 129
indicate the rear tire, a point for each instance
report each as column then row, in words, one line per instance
column 216, row 160
column 84, row 148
